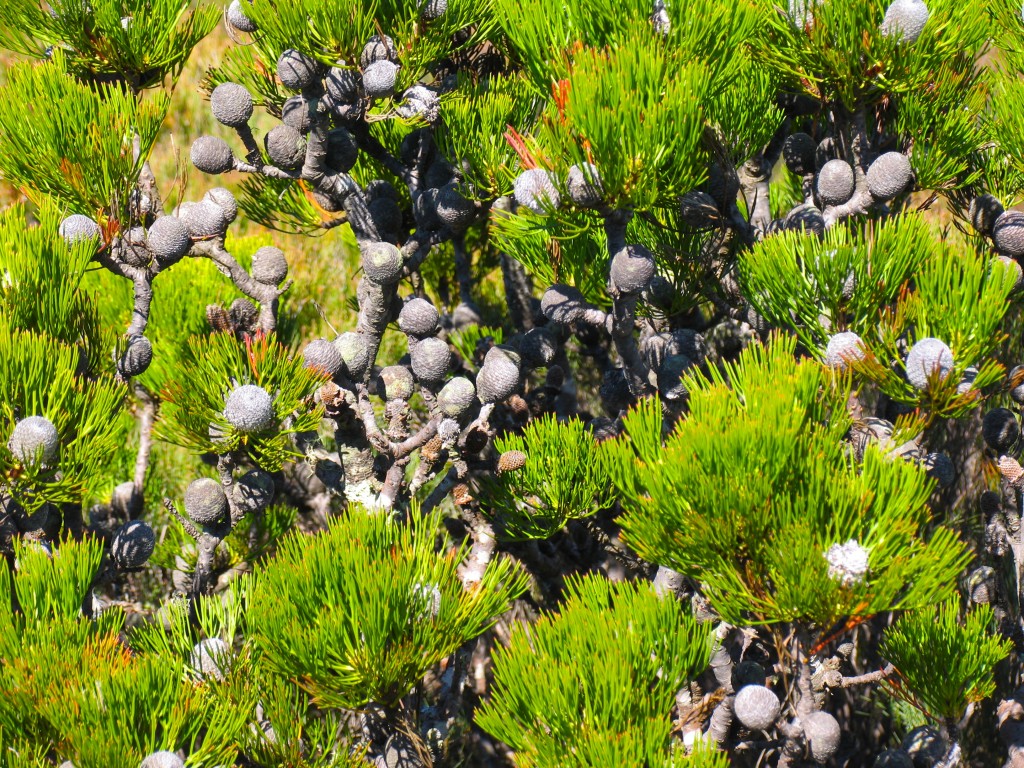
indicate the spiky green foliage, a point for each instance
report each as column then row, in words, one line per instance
column 754, row 486
column 944, row 662
column 360, row 612
column 75, row 143
column 564, row 478
column 69, row 686
column 595, row 684
column 193, row 411
column 132, row 42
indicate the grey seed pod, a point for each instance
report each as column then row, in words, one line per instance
column 563, row 304
column 205, row 220
column 798, row 151
column 723, row 185
column 889, row 175
column 379, row 188
column 77, row 227
column 430, row 359
column 205, row 502
column 286, row 147
column 243, row 313
column 378, row 48
column 925, row 358
column 328, row 203
column 253, row 491
column 981, row 585
column 448, row 430
column 342, row 151
column 827, row 150
column 395, row 382
column 163, row 758
column 844, row 348
column 432, row 9
column 34, row 436
column 355, row 352
column 420, row 101
column 905, row 18
column 387, row 215
column 168, row 238
column 136, row 358
column 806, row 218
column 418, row 318
column 456, row 397
column 1013, row 268
column 133, row 249
column 211, row 154
column 632, row 269
column 757, row 707
column 465, row 315
column 382, row 262
column 1016, row 382
column 249, row 408
column 925, row 745
column 984, row 212
column 698, row 209
column 499, row 375
column 583, row 184
column 538, row 348
column 823, row 735
column 439, row 173
column 603, row 428
column 940, row 467
column 894, row 758
column 535, row 189
column 424, row 209
column 231, row 104
column 379, row 79
column 670, row 384
column 614, row 391
column 298, row 112
column 132, row 545
column 238, row 19
column 835, row 182
column 342, row 85
column 269, row 265
column 210, row 658
column 748, row 672
column 323, row 355
column 297, row 70
column 1001, row 430
column 123, row 498
column 1008, row 233
column 967, row 381
column 225, row 200
column 454, row 210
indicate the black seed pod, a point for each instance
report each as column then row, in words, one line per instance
column 985, row 210
column 386, row 215
column 418, row 318
column 269, row 266
column 632, row 269
column 253, row 491
column 205, row 502
column 323, row 355
column 894, row 758
column 34, row 436
column 432, row 9
column 355, row 353
column 670, row 377
column 168, row 239
column 1001, row 430
column 78, row 227
column 454, row 211
column 378, row 48
column 211, row 154
column 806, row 218
column 249, row 408
column 238, row 19
column 286, row 147
column 538, row 348
column 297, row 70
column 798, row 151
column 835, row 182
column 583, row 184
column 889, row 175
column 298, row 112
column 698, row 209
column 925, row 745
column 136, row 358
column 456, row 397
column 231, row 104
column 395, row 382
column 430, row 359
column 940, row 468
column 379, row 79
column 132, row 545
column 382, row 262
column 243, row 313
column 1008, row 233
column 342, row 151
column 563, row 304
column 1015, row 379
column 343, row 85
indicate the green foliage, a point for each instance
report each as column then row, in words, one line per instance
column 595, row 684
column 944, row 663
column 564, row 478
column 192, row 415
column 752, row 489
column 73, row 141
column 134, row 42
column 360, row 612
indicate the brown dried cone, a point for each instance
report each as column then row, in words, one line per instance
column 1011, row 471
column 511, row 461
column 461, row 495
